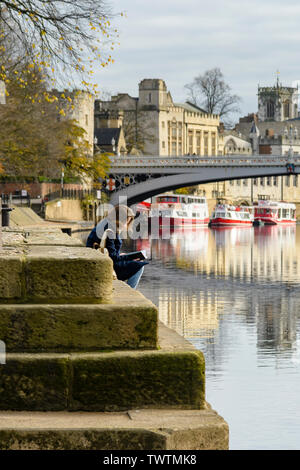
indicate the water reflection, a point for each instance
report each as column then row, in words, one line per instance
column 234, row 293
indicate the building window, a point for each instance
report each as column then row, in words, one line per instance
column 150, row 98
column 191, row 135
column 262, row 181
column 231, row 182
column 295, row 181
column 287, row 180
column 270, row 109
column 245, row 182
column 163, row 144
column 275, row 182
column 213, row 143
column 269, row 181
column 287, row 108
column 205, row 143
column 179, row 137
column 172, row 137
column 238, row 182
column 255, row 181
column 198, row 142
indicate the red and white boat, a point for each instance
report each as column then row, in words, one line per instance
column 226, row 215
column 177, row 210
column 275, row 213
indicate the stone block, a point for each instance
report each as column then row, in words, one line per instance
column 11, row 276
column 128, row 322
column 34, row 382
column 133, row 430
column 122, row 380
column 67, row 275
column 55, row 274
column 103, row 381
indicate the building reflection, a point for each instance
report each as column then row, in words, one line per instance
column 191, row 316
column 249, row 275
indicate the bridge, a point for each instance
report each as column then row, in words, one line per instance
column 138, row 178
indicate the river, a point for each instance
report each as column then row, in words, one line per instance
column 234, row 293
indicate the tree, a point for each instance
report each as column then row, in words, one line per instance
column 138, row 130
column 35, row 140
column 66, row 36
column 210, row 92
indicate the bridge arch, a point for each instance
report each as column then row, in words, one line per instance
column 161, row 183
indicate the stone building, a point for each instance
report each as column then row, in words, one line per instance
column 109, row 134
column 80, row 109
column 235, row 144
column 277, row 103
column 158, row 126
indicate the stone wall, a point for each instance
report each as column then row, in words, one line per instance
column 64, row 210
column 36, row 190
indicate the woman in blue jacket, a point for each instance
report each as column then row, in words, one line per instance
column 118, row 220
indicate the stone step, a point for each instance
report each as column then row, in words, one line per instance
column 111, row 381
column 128, row 322
column 55, row 274
column 150, row 429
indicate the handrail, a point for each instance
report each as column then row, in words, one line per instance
column 195, row 161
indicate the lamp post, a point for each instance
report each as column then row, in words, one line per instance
column 113, row 143
column 62, row 180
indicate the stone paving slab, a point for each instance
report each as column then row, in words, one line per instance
column 128, row 322
column 150, row 429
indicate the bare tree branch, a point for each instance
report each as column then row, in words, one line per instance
column 210, row 92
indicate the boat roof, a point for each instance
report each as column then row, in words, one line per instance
column 268, row 203
column 180, row 195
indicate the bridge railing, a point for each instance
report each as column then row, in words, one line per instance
column 194, row 161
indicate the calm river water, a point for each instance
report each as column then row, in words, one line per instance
column 234, row 293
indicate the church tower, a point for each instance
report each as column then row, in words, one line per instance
column 277, row 103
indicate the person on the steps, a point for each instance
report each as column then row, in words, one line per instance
column 119, row 219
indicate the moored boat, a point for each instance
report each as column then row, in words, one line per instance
column 275, row 212
column 176, row 210
column 226, row 215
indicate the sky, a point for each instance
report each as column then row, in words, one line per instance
column 176, row 40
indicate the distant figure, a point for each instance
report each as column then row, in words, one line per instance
column 119, row 219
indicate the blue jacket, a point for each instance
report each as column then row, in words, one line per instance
column 124, row 269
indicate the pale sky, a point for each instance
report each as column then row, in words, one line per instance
column 249, row 40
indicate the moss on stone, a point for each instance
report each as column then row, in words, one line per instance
column 103, row 381
column 31, row 383
column 119, row 439
column 142, row 379
column 65, row 328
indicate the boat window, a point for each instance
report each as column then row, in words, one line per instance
column 167, row 199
